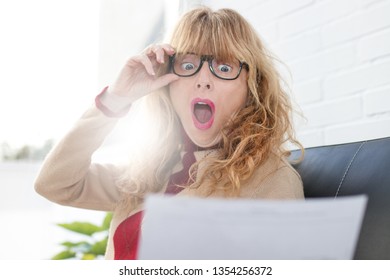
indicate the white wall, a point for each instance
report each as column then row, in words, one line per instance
column 48, row 73
column 28, row 229
column 48, row 67
column 338, row 52
column 126, row 28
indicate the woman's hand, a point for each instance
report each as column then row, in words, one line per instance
column 138, row 76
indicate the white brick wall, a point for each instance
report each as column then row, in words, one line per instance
column 338, row 52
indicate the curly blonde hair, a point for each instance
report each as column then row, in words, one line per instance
column 260, row 129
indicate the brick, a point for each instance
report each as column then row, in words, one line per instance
column 377, row 101
column 240, row 6
column 299, row 46
column 310, row 138
column 308, row 92
column 362, row 78
column 334, row 112
column 366, row 3
column 323, row 63
column 374, row 46
column 299, row 119
column 357, row 25
column 267, row 33
column 316, row 15
column 358, row 131
column 268, row 11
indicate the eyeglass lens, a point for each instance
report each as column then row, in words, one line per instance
column 188, row 64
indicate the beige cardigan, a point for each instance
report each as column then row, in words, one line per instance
column 68, row 177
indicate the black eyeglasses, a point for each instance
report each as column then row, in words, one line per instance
column 186, row 65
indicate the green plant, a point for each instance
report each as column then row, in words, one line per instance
column 92, row 248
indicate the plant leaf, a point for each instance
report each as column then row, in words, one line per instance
column 82, row 227
column 69, row 244
column 67, row 254
column 99, row 248
column 88, row 257
column 107, row 221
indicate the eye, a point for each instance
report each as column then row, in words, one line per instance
column 187, row 66
column 224, row 68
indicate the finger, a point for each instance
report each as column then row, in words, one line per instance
column 169, row 50
column 160, row 55
column 159, row 51
column 147, row 63
column 164, row 80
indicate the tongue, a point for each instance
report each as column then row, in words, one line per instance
column 202, row 112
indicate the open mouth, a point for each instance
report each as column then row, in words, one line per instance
column 202, row 113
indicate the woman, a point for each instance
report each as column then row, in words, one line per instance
column 221, row 122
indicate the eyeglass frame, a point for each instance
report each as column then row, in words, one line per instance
column 209, row 59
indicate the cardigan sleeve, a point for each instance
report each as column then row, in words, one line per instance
column 67, row 175
column 278, row 180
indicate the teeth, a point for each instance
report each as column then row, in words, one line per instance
column 201, row 103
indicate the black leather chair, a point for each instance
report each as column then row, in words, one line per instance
column 350, row 169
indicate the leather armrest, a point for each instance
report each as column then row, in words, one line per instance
column 349, row 169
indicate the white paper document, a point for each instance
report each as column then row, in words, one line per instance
column 185, row 228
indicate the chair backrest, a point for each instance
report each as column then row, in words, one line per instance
column 349, row 169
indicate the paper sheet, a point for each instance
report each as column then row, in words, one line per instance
column 183, row 228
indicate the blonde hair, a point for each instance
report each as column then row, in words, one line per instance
column 257, row 131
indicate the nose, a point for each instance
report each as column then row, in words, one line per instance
column 203, row 85
column 204, row 78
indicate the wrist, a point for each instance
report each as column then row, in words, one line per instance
column 112, row 105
